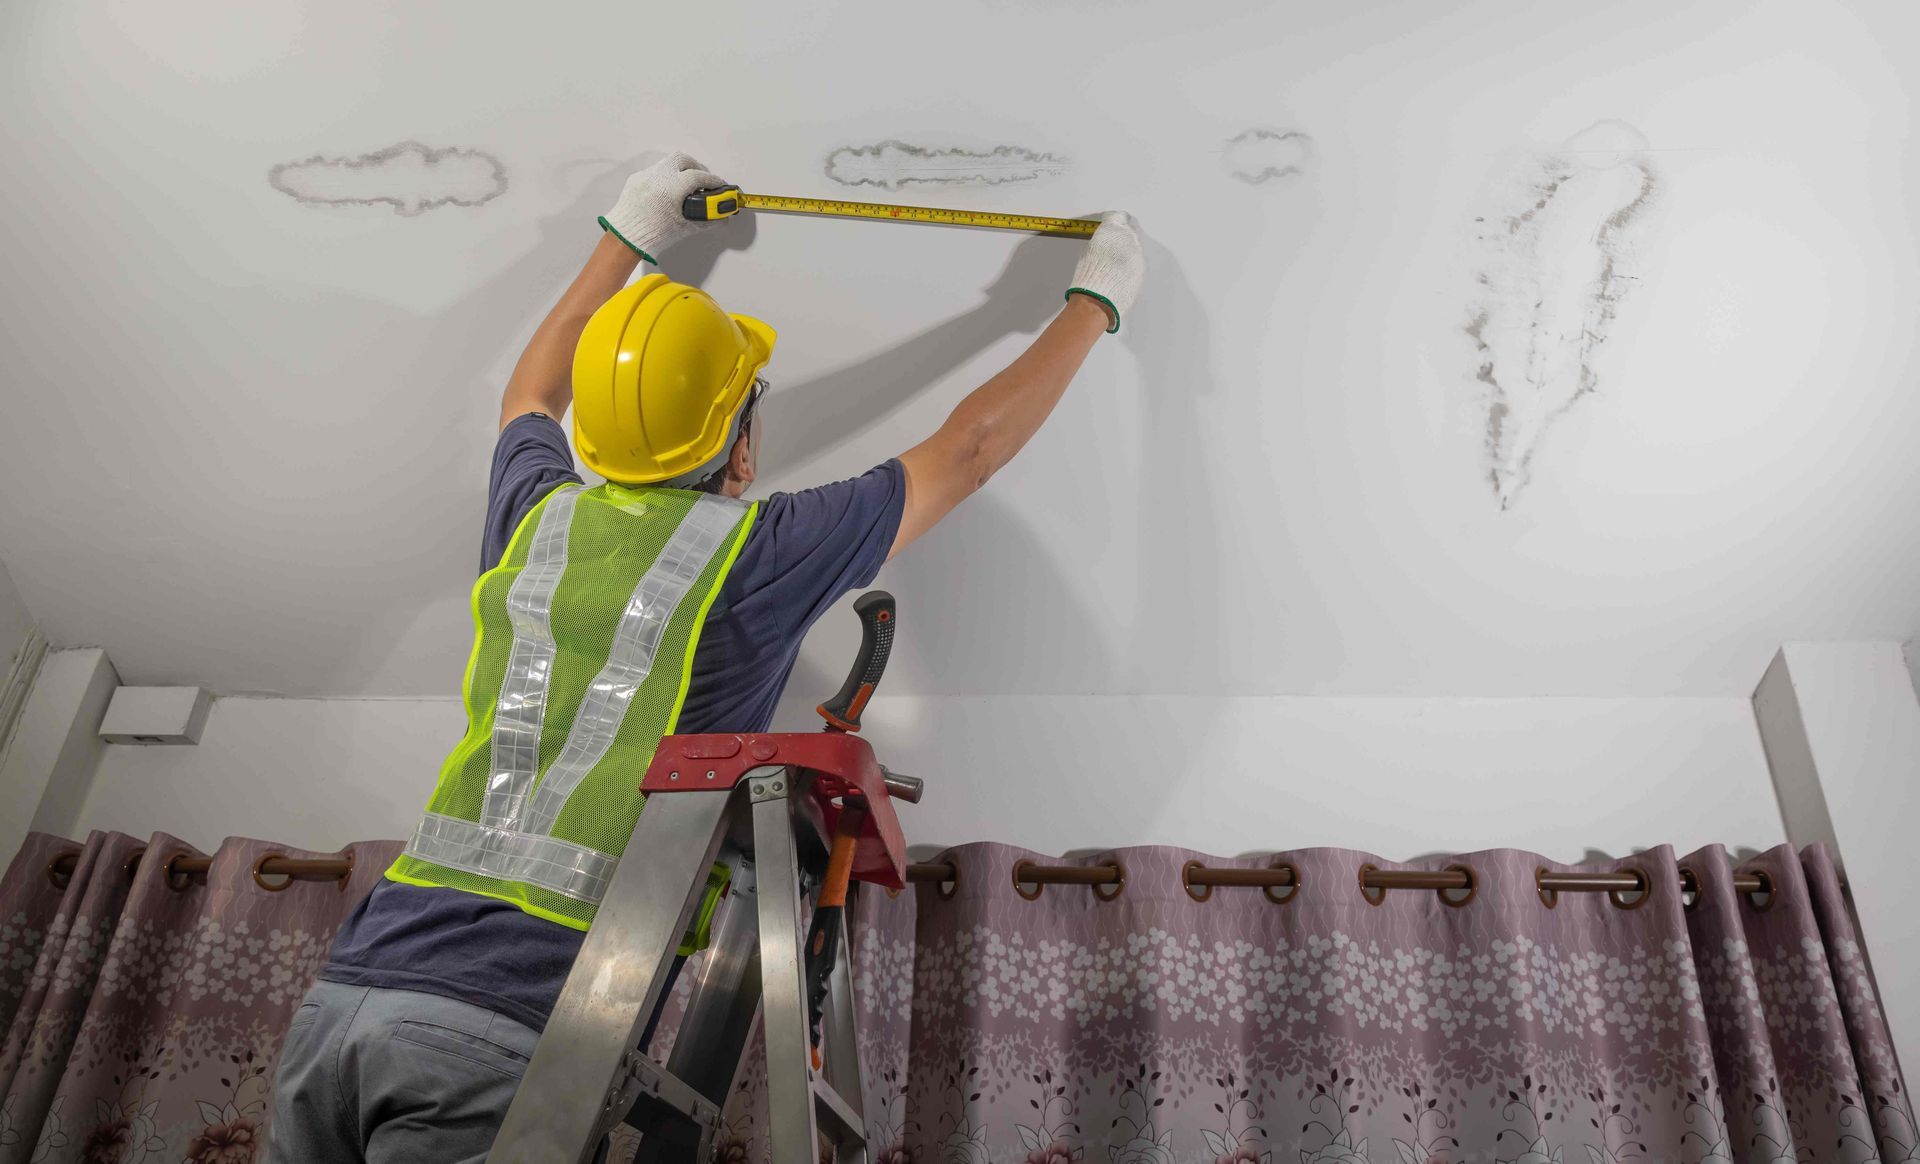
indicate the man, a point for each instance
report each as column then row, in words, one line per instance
column 606, row 618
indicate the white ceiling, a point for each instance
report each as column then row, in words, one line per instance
column 246, row 428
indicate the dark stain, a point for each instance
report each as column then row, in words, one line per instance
column 892, row 163
column 1258, row 156
column 1546, row 192
column 466, row 178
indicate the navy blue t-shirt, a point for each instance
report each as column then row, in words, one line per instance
column 804, row 551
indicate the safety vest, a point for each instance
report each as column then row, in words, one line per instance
column 583, row 642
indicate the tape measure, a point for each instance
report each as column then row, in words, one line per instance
column 727, row 201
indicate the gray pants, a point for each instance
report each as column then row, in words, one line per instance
column 393, row 1077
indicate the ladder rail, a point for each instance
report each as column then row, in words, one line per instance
column 567, row 1100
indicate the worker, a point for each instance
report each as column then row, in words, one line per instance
column 605, row 618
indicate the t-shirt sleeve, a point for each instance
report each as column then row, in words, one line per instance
column 819, row 543
column 530, row 460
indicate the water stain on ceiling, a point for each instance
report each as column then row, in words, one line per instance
column 1553, row 260
column 892, row 164
column 409, row 178
column 1259, row 156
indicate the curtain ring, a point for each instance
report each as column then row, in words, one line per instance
column 1197, row 892
column 131, row 867
column 259, row 879
column 1766, row 887
column 1646, row 891
column 1473, row 886
column 178, row 882
column 1118, row 886
column 1689, row 889
column 1548, row 897
column 61, row 880
column 346, row 878
column 940, row 888
column 1019, row 886
column 1293, row 887
column 1367, row 892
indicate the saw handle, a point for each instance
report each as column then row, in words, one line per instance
column 876, row 611
column 710, row 203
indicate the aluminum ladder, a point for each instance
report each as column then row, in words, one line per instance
column 789, row 814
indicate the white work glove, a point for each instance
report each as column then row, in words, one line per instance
column 1114, row 266
column 648, row 216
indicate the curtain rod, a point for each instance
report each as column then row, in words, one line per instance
column 186, row 866
column 1198, row 878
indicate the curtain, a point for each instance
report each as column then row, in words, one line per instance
column 1312, row 1025
column 144, row 1011
column 1321, row 1024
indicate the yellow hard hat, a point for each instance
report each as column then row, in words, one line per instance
column 658, row 375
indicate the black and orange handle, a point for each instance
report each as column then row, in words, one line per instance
column 823, row 945
column 876, row 612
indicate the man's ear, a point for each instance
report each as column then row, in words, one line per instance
column 740, row 461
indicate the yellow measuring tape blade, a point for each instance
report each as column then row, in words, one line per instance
column 781, row 204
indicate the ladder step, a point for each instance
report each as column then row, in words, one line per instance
column 838, row 1121
column 662, row 1093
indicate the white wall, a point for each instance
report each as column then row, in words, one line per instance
column 1398, row 776
column 1278, row 479
column 311, row 772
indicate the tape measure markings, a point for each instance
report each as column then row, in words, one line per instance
column 726, row 201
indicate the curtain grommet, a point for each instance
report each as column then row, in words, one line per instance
column 176, row 881
column 58, row 879
column 131, row 866
column 945, row 890
column 1472, row 890
column 1371, row 895
column 1293, row 886
column 346, row 877
column 1019, row 886
column 1119, row 885
column 1548, row 897
column 1197, row 892
column 1689, row 889
column 1766, row 887
column 259, row 878
column 1645, row 891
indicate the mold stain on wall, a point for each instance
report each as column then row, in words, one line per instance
column 892, row 164
column 1553, row 259
column 410, row 178
column 1260, row 156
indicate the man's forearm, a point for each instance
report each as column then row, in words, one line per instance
column 998, row 418
column 543, row 379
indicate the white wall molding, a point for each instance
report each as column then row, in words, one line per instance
column 1841, row 726
column 23, row 666
column 56, row 746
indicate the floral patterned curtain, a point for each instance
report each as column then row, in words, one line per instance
column 144, row 1012
column 1311, row 1025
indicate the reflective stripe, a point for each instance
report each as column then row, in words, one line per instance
column 565, row 868
column 523, row 691
column 652, row 604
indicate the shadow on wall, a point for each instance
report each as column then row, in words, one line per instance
column 440, row 368
column 1005, row 620
column 1180, row 628
column 992, row 613
column 807, row 419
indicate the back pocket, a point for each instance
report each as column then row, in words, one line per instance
column 475, row 1049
